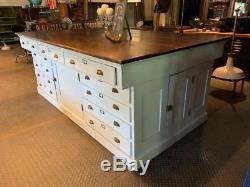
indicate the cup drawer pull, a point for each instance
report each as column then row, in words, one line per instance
column 45, row 59
column 114, row 90
column 56, row 56
column 91, row 122
column 88, row 92
column 100, row 95
column 99, row 72
column 87, row 77
column 72, row 61
column 22, row 42
column 47, row 70
column 50, row 92
column 116, row 124
column 49, row 81
column 90, row 107
column 43, row 51
column 117, row 140
column 102, row 112
column 103, row 126
column 33, row 46
column 115, row 107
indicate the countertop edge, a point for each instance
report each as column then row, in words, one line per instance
column 128, row 60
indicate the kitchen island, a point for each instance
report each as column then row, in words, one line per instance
column 136, row 97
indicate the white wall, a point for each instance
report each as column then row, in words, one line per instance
column 13, row 2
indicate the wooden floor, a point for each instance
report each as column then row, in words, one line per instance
column 39, row 146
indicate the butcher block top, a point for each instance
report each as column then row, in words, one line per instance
column 145, row 44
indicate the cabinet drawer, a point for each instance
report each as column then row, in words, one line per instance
column 101, row 72
column 43, row 51
column 117, row 125
column 50, row 91
column 48, row 72
column 123, row 96
column 31, row 45
column 40, row 84
column 56, row 55
column 117, row 109
column 108, row 133
column 49, row 82
column 71, row 60
column 23, row 42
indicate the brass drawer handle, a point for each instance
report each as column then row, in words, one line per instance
column 116, row 124
column 102, row 112
column 117, row 140
column 91, row 122
column 88, row 92
column 72, row 61
column 101, row 95
column 114, row 90
column 87, row 77
column 84, row 61
column 43, row 51
column 90, row 107
column 99, row 72
column 115, row 107
column 103, row 126
column 56, row 56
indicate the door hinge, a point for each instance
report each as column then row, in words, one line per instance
column 82, row 107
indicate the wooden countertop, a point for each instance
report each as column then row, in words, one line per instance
column 190, row 31
column 145, row 44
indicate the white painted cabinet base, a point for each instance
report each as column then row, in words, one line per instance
column 135, row 110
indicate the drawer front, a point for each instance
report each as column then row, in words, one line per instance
column 101, row 72
column 40, row 84
column 50, row 83
column 50, row 91
column 39, row 74
column 117, row 109
column 43, row 51
column 48, row 71
column 32, row 46
column 123, row 96
column 108, row 133
column 22, row 42
column 56, row 55
column 71, row 60
column 117, row 125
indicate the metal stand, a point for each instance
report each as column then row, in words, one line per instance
column 128, row 27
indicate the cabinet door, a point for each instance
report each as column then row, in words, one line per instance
column 177, row 101
column 187, row 93
column 69, row 97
